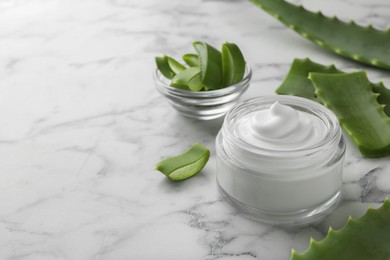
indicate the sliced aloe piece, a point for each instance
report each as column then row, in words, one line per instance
column 175, row 66
column 192, row 60
column 196, row 84
column 182, row 79
column 297, row 82
column 185, row 165
column 350, row 97
column 210, row 65
column 365, row 238
column 233, row 64
column 164, row 68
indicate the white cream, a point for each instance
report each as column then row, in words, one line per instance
column 281, row 161
column 281, row 128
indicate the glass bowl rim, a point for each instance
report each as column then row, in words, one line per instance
column 158, row 78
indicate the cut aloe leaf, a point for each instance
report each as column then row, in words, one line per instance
column 196, row 84
column 182, row 79
column 365, row 238
column 192, row 60
column 175, row 66
column 209, row 62
column 185, row 165
column 210, row 65
column 233, row 64
column 363, row 44
column 350, row 97
column 297, row 82
column 164, row 68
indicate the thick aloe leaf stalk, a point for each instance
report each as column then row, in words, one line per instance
column 370, row 132
column 365, row 238
column 350, row 97
column 297, row 82
column 384, row 96
column 363, row 44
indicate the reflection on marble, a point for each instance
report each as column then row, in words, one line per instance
column 82, row 127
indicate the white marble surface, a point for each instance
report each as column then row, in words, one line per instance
column 82, row 127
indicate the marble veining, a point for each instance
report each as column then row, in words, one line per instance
column 82, row 127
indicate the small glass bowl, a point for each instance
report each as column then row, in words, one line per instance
column 203, row 105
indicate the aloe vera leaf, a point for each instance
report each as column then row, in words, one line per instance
column 297, row 82
column 384, row 96
column 210, row 65
column 164, row 68
column 196, row 84
column 182, row 79
column 350, row 97
column 175, row 66
column 233, row 64
column 367, row 237
column 363, row 44
column 185, row 165
column 192, row 60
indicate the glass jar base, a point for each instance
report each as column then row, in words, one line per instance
column 289, row 219
column 204, row 112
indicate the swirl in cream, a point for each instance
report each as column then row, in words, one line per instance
column 281, row 127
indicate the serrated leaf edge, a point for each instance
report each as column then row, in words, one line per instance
column 321, row 43
column 351, row 221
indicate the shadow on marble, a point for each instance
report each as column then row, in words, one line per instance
column 199, row 179
column 212, row 127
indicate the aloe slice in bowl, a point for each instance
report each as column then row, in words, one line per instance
column 210, row 65
column 185, row 165
column 164, row 68
column 233, row 64
column 175, row 66
column 182, row 80
column 192, row 60
column 196, row 84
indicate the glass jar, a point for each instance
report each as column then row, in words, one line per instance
column 281, row 186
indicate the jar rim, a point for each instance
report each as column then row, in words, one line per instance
column 332, row 136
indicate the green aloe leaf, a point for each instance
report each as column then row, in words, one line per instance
column 164, row 68
column 233, row 64
column 175, row 66
column 210, row 65
column 183, row 78
column 360, row 239
column 384, row 96
column 196, row 84
column 350, row 97
column 297, row 82
column 192, row 60
column 185, row 165
column 363, row 44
